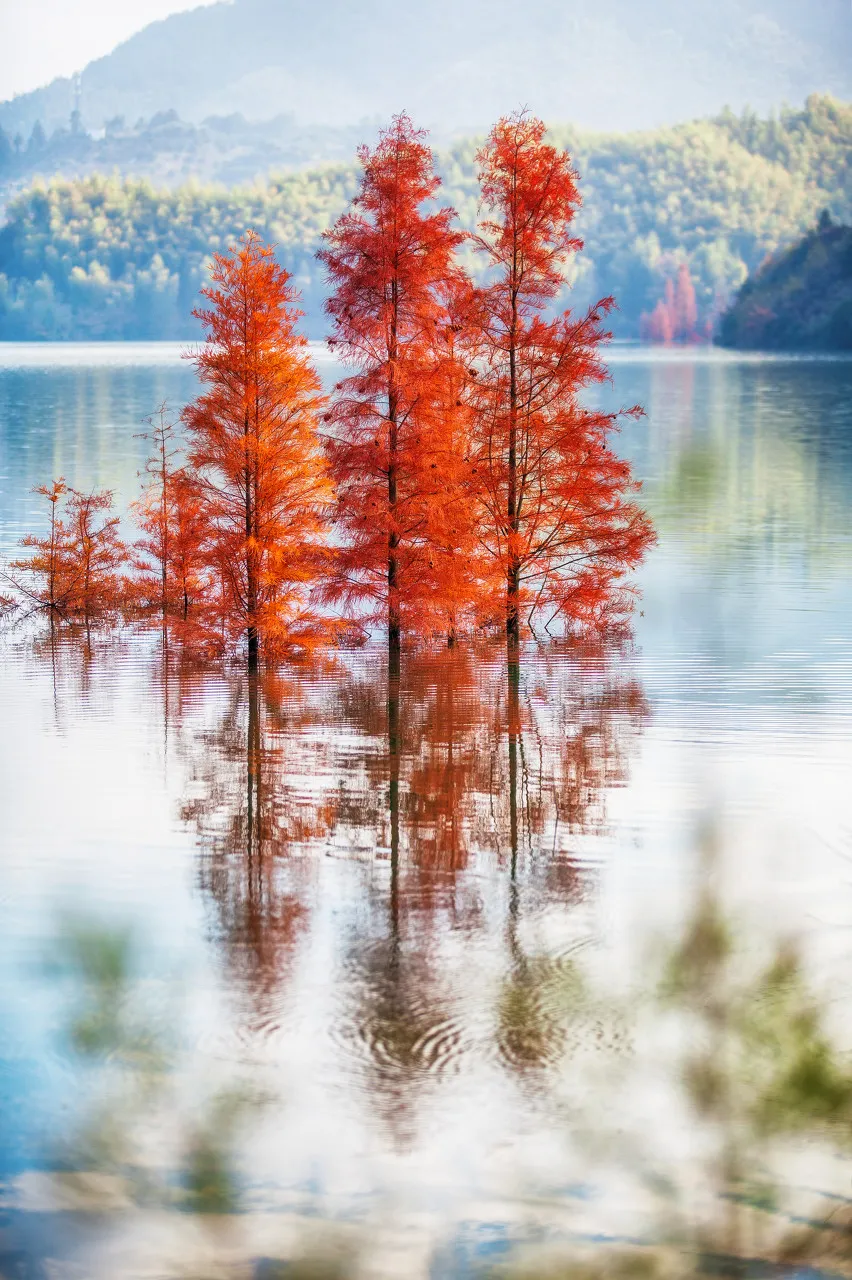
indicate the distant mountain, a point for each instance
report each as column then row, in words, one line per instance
column 457, row 64
column 800, row 300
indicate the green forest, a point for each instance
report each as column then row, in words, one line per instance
column 109, row 257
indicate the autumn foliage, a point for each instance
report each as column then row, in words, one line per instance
column 170, row 556
column 460, row 475
column 393, row 277
column 259, row 472
column 675, row 317
column 74, row 573
column 554, row 501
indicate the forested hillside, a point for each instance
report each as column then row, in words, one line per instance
column 116, row 258
column 800, row 300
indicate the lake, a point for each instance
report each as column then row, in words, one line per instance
column 349, row 972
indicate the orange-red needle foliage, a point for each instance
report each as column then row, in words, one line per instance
column 468, row 477
column 43, row 579
column 96, row 552
column 460, row 578
column 390, row 264
column 558, row 519
column 253, row 444
column 75, row 570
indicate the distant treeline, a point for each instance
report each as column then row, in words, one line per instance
column 168, row 151
column 114, row 258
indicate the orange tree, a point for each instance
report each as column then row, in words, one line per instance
column 555, row 501
column 170, row 555
column 75, row 571
column 43, row 580
column 390, row 261
column 261, row 479
column 96, row 554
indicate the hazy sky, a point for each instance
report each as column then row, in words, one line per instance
column 40, row 39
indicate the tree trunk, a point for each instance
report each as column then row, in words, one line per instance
column 164, row 523
column 393, row 769
column 251, row 583
column 513, row 566
column 394, row 622
column 394, row 625
column 52, row 563
column 254, row 869
column 253, row 649
column 513, row 626
column 513, row 666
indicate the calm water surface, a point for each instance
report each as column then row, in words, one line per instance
column 416, row 973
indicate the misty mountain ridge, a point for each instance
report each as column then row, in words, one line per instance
column 456, row 65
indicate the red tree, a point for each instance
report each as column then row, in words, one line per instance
column 43, row 579
column 685, row 307
column 557, row 514
column 170, row 555
column 76, row 570
column 675, row 317
column 658, row 327
column 259, row 469
column 458, row 575
column 97, row 553
column 392, row 437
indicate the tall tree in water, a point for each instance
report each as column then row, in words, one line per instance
column 390, row 264
column 558, row 518
column 254, row 445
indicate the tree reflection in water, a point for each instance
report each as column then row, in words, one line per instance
column 251, row 803
column 443, row 776
column 567, row 743
column 448, row 786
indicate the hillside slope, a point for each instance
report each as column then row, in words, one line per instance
column 800, row 300
column 457, row 64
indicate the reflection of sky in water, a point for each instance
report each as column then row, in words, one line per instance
column 425, row 1036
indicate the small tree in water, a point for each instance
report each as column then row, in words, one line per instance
column 43, row 578
column 97, row 554
column 262, row 484
column 75, row 571
column 170, row 557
